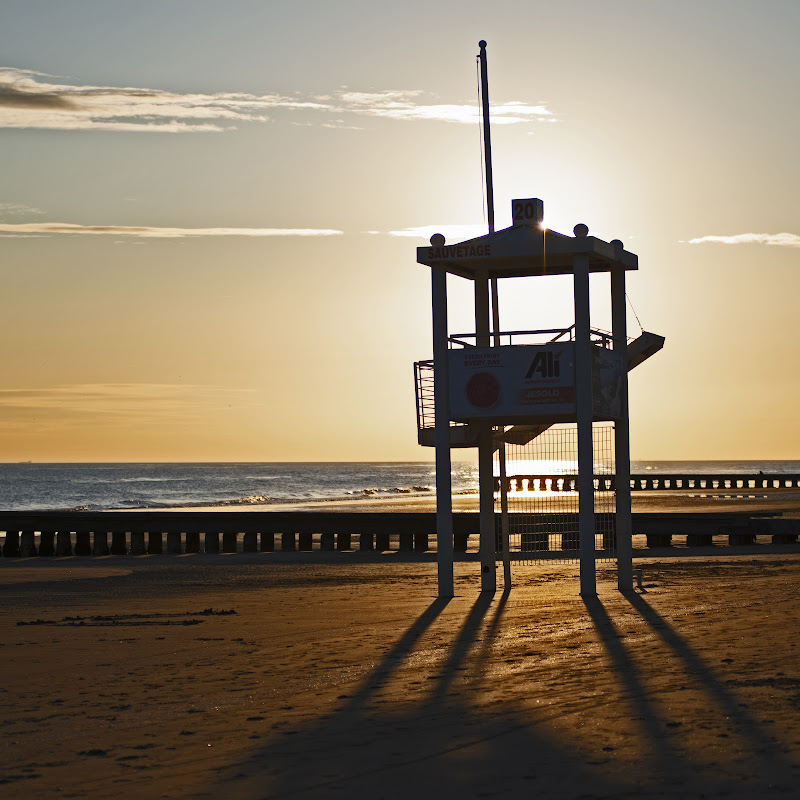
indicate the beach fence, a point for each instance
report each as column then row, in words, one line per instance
column 539, row 514
column 735, row 485
column 542, row 503
column 142, row 533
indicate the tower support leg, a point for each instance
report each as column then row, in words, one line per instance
column 622, row 447
column 441, row 402
column 584, row 408
column 488, row 544
column 504, row 534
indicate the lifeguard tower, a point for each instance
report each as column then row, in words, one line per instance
column 490, row 388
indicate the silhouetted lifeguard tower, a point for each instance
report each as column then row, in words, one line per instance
column 490, row 388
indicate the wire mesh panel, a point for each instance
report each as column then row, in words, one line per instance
column 541, row 488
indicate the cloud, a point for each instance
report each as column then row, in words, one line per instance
column 405, row 105
column 18, row 210
column 29, row 99
column 28, row 229
column 453, row 233
column 14, row 97
column 118, row 400
column 773, row 239
column 340, row 124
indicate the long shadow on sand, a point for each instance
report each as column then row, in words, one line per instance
column 383, row 672
column 432, row 741
column 661, row 751
column 672, row 754
column 759, row 747
column 424, row 724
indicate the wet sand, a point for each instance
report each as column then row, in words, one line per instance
column 349, row 679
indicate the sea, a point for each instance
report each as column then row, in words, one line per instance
column 98, row 487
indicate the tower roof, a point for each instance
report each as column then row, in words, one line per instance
column 524, row 250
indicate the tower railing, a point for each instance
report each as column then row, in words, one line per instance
column 461, row 434
column 599, row 338
column 424, row 387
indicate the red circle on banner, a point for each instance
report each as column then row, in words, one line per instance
column 483, row 390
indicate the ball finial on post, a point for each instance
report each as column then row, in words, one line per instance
column 437, row 240
column 581, row 230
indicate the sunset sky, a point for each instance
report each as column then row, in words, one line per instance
column 209, row 213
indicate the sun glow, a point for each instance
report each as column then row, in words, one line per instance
column 541, row 467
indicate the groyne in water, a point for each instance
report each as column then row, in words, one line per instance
column 655, row 482
column 101, row 533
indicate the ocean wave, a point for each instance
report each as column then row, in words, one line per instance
column 140, row 504
column 119, row 487
column 388, row 490
column 169, row 479
column 252, row 500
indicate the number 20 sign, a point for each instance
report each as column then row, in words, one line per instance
column 527, row 212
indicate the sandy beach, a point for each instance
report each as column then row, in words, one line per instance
column 247, row 676
column 273, row 285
